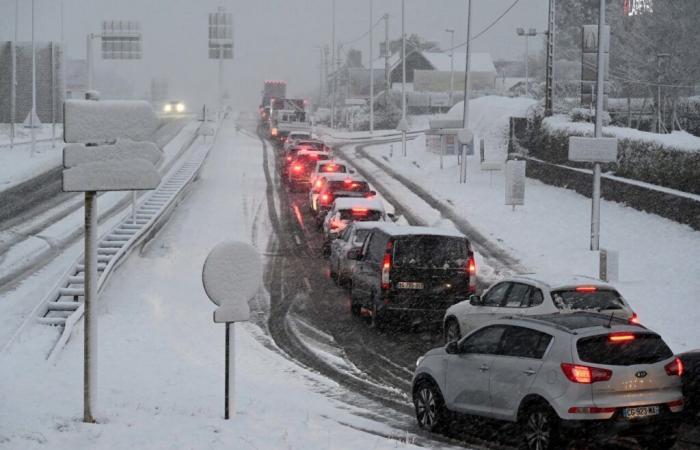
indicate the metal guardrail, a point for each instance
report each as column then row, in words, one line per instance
column 63, row 305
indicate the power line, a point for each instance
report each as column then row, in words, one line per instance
column 363, row 34
column 488, row 27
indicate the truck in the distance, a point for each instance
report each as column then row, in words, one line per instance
column 287, row 115
column 272, row 89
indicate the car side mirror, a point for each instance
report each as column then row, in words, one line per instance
column 475, row 300
column 452, row 348
column 351, row 171
column 355, row 254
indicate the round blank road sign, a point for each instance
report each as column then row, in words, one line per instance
column 232, row 273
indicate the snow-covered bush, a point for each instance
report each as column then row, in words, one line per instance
column 587, row 115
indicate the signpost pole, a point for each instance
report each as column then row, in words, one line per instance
column 595, row 204
column 230, row 371
column 467, row 92
column 90, row 334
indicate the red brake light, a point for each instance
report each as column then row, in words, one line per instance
column 386, row 265
column 586, row 289
column 335, row 224
column 297, row 168
column 289, row 158
column 360, row 210
column 634, row 320
column 621, row 337
column 325, row 198
column 584, row 374
column 471, row 271
column 590, row 410
column 675, row 367
column 347, row 181
column 318, row 183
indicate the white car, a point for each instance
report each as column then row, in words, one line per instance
column 328, row 167
column 320, row 182
column 349, row 209
column 352, row 237
column 294, row 136
column 535, row 294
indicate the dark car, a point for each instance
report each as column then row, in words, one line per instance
column 691, row 382
column 411, row 271
column 299, row 170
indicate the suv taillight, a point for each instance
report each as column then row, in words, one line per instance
column 471, row 271
column 674, row 368
column 584, row 374
column 386, row 266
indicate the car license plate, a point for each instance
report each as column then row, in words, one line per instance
column 640, row 411
column 409, row 285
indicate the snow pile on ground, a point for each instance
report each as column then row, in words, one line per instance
column 678, row 140
column 161, row 359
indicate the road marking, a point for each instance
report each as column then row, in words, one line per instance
column 308, row 285
column 296, row 238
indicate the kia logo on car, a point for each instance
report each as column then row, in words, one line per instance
column 641, row 374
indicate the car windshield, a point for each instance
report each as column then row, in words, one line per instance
column 435, row 252
column 360, row 214
column 643, row 348
column 360, row 235
column 351, row 186
column 584, row 298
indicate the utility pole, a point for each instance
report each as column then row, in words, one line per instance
column 549, row 76
column 467, row 93
column 452, row 62
column 371, row 67
column 660, row 128
column 387, row 54
column 403, row 124
column 320, row 74
column 32, row 113
column 335, row 72
column 600, row 93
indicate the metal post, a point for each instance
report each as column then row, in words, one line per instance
column 221, row 81
column 442, row 149
column 527, row 72
column 32, row 113
column 549, row 76
column 403, row 74
column 88, row 57
column 371, row 68
column 335, row 72
column 387, row 72
column 467, row 93
column 90, row 335
column 53, row 94
column 452, row 63
column 13, row 93
column 595, row 204
column 230, row 371
column 133, row 207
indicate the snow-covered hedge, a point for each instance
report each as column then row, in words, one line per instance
column 670, row 160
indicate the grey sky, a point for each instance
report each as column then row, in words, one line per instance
column 273, row 38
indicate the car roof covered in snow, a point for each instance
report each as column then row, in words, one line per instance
column 312, row 152
column 335, row 176
column 369, row 225
column 330, row 161
column 561, row 280
column 349, row 203
column 393, row 229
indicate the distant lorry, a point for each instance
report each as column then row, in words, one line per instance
column 272, row 89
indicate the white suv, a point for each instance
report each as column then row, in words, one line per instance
column 560, row 377
column 534, row 294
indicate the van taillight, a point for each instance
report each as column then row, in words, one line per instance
column 386, row 265
column 634, row 320
column 471, row 271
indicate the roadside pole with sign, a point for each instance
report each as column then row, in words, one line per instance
column 231, row 275
column 92, row 170
column 220, row 45
column 515, row 183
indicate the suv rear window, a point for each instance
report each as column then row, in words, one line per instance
column 597, row 300
column 435, row 252
column 645, row 348
column 360, row 214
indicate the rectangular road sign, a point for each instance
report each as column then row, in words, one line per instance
column 76, row 154
column 588, row 149
column 129, row 175
column 89, row 121
column 121, row 39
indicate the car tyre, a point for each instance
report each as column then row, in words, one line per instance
column 355, row 304
column 431, row 413
column 539, row 427
column 452, row 331
column 334, row 274
column 378, row 319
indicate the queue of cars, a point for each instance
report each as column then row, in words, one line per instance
column 555, row 355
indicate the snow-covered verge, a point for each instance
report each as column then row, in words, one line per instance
column 678, row 140
column 659, row 274
column 161, row 356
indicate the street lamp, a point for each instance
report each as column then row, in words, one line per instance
column 527, row 34
column 467, row 92
column 403, row 123
column 371, row 69
column 452, row 61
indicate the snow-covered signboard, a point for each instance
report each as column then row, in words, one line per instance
column 122, row 150
column 588, row 149
column 111, row 175
column 107, row 120
column 515, row 183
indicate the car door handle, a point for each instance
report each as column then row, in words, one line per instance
column 484, row 368
column 529, row 372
